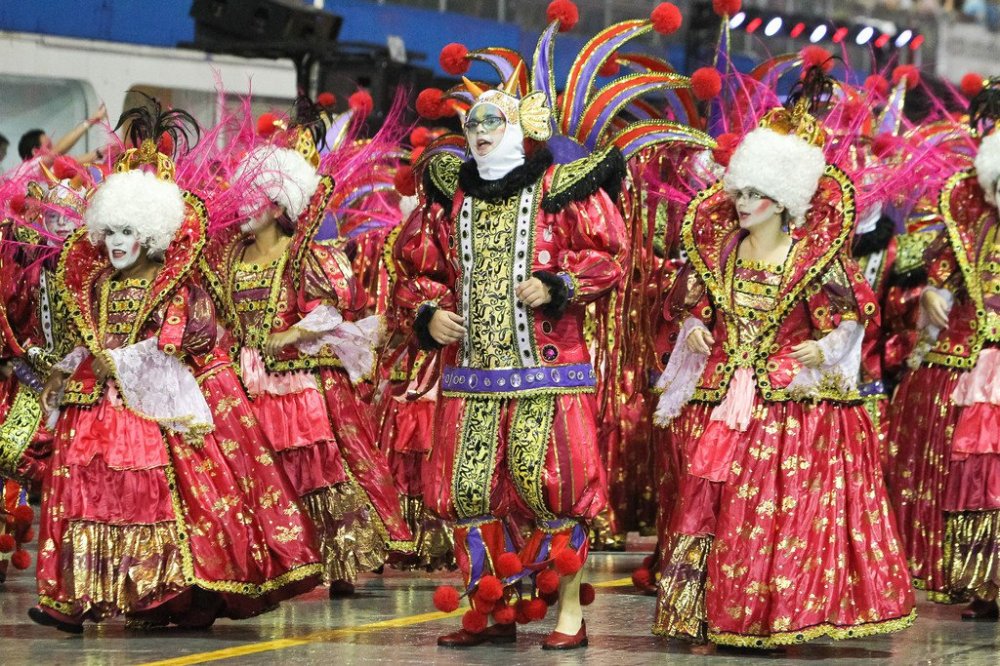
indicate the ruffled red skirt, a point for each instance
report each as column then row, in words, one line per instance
column 797, row 542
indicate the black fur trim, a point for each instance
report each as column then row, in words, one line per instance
column 875, row 240
column 422, row 328
column 495, row 191
column 435, row 195
column 557, row 292
column 908, row 280
column 607, row 174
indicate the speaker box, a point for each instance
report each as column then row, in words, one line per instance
column 267, row 20
column 343, row 74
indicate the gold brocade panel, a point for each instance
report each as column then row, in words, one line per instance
column 491, row 340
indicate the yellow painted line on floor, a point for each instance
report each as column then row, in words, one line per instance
column 328, row 635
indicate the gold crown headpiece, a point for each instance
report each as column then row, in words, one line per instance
column 797, row 121
column 146, row 153
column 530, row 112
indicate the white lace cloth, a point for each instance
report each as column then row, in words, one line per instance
column 353, row 342
column 157, row 386
column 841, row 361
column 72, row 361
column 680, row 378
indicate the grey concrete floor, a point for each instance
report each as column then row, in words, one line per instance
column 392, row 621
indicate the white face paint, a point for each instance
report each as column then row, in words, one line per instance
column 60, row 226
column 754, row 208
column 123, row 247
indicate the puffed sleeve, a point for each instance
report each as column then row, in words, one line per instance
column 328, row 279
column 688, row 297
column 426, row 278
column 201, row 328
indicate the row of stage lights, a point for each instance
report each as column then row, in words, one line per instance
column 818, row 30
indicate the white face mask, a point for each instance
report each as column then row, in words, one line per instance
column 123, row 247
column 755, row 208
column 505, row 153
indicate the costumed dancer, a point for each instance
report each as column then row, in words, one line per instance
column 782, row 532
column 961, row 310
column 148, row 512
column 291, row 303
column 498, row 269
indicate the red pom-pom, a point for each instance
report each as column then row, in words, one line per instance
column 504, row 615
column 521, row 612
column 972, row 84
column 21, row 559
column 490, row 589
column 547, row 581
column 726, row 7
column 610, row 66
column 647, row 562
column 509, row 564
column 642, row 578
column 27, row 536
column 567, row 562
column 883, row 145
column 550, row 599
column 453, row 60
column 587, row 594
column 361, row 102
column 267, row 124
column 64, row 167
column 404, row 181
column 430, row 102
column 166, row 144
column 706, row 83
column 7, row 543
column 908, row 72
column 536, row 610
column 326, row 99
column 816, row 56
column 446, row 599
column 666, row 18
column 23, row 514
column 474, row 622
column 877, row 84
column 18, row 202
column 564, row 11
column 420, row 136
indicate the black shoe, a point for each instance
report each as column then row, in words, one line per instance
column 340, row 589
column 38, row 616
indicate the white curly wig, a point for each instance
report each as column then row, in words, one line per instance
column 782, row 166
column 153, row 207
column 988, row 163
column 283, row 176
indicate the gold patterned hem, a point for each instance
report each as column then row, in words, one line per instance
column 680, row 601
column 836, row 632
column 350, row 533
column 107, row 570
column 433, row 539
column 971, row 563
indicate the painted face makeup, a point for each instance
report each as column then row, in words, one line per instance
column 123, row 247
column 754, row 207
column 484, row 128
column 58, row 225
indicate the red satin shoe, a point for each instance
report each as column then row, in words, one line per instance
column 560, row 641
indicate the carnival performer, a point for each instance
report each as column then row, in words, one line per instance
column 137, row 475
column 960, row 311
column 290, row 303
column 497, row 269
column 782, row 532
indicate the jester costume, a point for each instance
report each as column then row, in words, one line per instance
column 782, row 531
column 516, row 423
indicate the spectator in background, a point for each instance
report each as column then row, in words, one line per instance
column 36, row 142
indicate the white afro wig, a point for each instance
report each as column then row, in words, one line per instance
column 781, row 166
column 988, row 163
column 153, row 207
column 283, row 176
